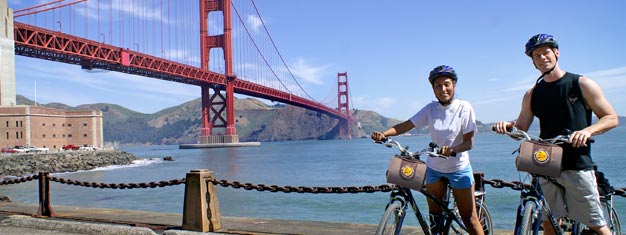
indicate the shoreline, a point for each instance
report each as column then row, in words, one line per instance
column 18, row 165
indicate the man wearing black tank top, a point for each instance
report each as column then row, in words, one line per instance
column 563, row 100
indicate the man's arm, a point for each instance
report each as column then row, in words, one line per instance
column 600, row 106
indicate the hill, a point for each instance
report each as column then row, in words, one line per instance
column 254, row 120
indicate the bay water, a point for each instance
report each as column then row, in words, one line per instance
column 330, row 163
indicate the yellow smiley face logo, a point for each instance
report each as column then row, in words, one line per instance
column 541, row 156
column 407, row 171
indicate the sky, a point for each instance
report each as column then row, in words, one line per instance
column 388, row 48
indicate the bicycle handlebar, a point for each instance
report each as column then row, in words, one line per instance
column 432, row 151
column 520, row 134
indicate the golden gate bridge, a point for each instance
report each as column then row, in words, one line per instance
column 222, row 46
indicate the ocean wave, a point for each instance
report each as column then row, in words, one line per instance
column 136, row 163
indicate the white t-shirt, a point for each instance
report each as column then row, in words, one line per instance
column 447, row 125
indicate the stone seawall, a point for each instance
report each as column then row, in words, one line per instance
column 69, row 161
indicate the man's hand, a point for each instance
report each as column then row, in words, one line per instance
column 579, row 138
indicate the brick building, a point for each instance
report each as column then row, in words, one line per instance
column 24, row 125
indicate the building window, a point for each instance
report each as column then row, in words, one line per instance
column 84, row 135
column 69, row 135
column 17, row 124
column 21, row 124
column 17, row 135
column 54, row 124
column 63, row 135
column 43, row 124
column 63, row 125
column 54, row 135
column 69, row 124
column 43, row 136
column 84, row 124
column 7, row 135
column 21, row 135
column 7, row 123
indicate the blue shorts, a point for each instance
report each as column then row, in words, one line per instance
column 460, row 179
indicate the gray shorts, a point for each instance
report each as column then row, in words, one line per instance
column 577, row 199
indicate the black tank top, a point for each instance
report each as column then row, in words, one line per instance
column 559, row 106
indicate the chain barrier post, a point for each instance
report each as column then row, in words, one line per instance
column 201, row 209
column 479, row 185
column 44, row 195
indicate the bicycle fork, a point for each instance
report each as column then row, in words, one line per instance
column 536, row 216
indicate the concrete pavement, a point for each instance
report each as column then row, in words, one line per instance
column 17, row 218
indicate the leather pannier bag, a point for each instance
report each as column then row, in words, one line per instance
column 539, row 158
column 408, row 173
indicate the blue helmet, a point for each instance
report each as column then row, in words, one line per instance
column 442, row 70
column 540, row 40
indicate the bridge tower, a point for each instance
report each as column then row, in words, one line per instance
column 220, row 104
column 343, row 105
column 7, row 56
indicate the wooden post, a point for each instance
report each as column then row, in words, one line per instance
column 44, row 195
column 201, row 209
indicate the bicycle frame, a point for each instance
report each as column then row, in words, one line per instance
column 404, row 196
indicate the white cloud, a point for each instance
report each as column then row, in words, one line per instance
column 309, row 72
column 255, row 22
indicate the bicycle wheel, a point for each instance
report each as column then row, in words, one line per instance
column 484, row 217
column 391, row 220
column 613, row 222
column 526, row 225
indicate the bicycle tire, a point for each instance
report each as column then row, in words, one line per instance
column 390, row 220
column 484, row 216
column 526, row 225
column 616, row 226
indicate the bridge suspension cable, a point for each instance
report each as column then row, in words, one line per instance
column 259, row 50
column 45, row 9
column 277, row 51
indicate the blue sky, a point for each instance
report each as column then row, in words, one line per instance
column 388, row 48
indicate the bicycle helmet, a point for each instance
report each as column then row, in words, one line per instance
column 540, row 40
column 442, row 70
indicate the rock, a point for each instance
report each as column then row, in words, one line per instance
column 5, row 199
column 20, row 165
column 168, row 158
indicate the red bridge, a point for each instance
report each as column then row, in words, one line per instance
column 60, row 31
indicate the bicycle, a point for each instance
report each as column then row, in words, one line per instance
column 401, row 198
column 533, row 204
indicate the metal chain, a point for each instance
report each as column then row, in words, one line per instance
column 118, row 186
column 19, row 180
column 495, row 183
column 303, row 189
